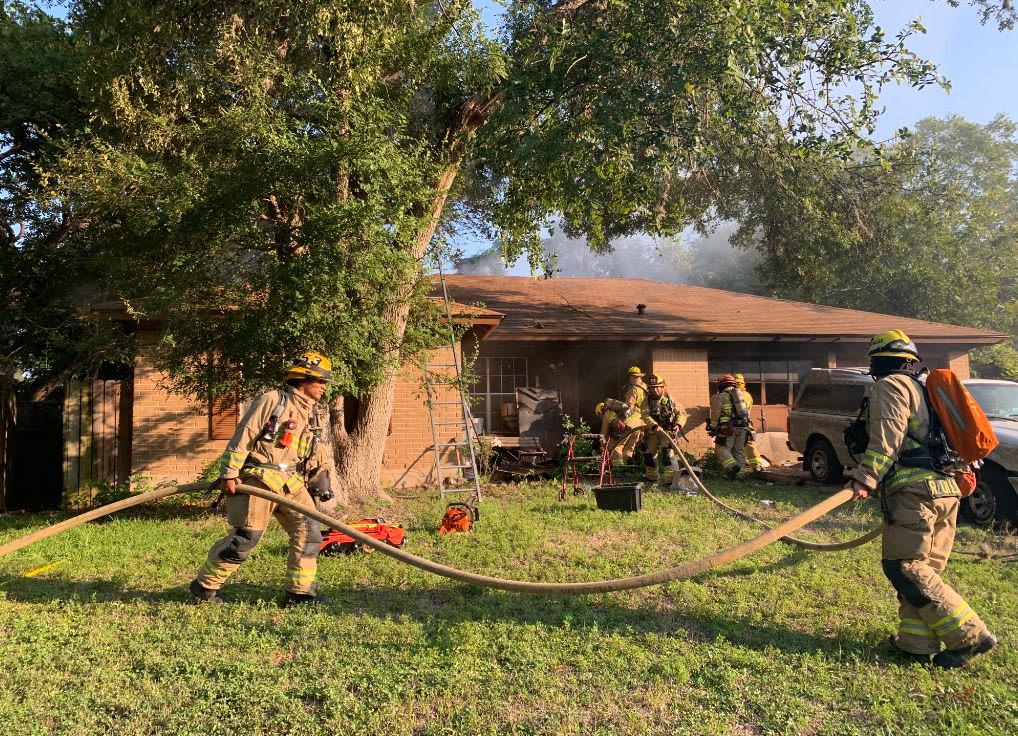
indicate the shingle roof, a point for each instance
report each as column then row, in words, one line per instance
column 605, row 308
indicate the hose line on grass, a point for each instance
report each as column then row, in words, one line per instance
column 685, row 570
column 794, row 541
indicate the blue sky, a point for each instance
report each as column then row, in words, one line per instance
column 980, row 61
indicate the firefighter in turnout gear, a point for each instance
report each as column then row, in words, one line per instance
column 753, row 457
column 276, row 447
column 620, row 428
column 729, row 423
column 920, row 507
column 667, row 416
column 635, row 394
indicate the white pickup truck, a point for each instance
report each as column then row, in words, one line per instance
column 996, row 496
column 828, row 401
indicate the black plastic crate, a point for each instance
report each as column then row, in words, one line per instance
column 619, row 497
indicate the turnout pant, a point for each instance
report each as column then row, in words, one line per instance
column 657, row 443
column 730, row 450
column 248, row 517
column 624, row 449
column 917, row 542
column 753, row 458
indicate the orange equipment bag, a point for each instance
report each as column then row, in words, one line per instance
column 966, row 481
column 966, row 428
column 459, row 517
column 335, row 542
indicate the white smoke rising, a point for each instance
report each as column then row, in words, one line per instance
column 702, row 261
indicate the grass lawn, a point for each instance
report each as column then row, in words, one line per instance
column 782, row 642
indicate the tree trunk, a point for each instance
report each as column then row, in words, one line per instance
column 358, row 454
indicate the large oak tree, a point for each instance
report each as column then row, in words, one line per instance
column 268, row 176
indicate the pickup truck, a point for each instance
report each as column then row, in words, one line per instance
column 828, row 400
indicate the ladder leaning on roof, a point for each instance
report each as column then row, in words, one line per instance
column 449, row 375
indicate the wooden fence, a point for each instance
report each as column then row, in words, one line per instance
column 8, row 414
column 97, row 438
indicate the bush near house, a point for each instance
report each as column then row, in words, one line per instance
column 783, row 642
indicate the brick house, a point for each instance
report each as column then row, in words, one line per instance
column 576, row 336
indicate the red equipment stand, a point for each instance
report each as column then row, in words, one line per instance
column 572, row 461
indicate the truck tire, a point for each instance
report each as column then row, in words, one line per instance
column 822, row 461
column 993, row 500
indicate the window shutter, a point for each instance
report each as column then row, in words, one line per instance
column 223, row 419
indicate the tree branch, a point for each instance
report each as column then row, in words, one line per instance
column 68, row 223
column 45, row 389
column 10, row 151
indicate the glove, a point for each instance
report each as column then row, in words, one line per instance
column 321, row 487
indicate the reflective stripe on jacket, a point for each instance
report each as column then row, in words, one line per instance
column 897, row 415
column 247, row 447
column 722, row 408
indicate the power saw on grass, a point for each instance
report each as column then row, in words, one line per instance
column 336, row 543
column 459, row 517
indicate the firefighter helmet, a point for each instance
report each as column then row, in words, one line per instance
column 599, row 409
column 893, row 344
column 726, row 380
column 635, row 372
column 740, row 380
column 311, row 365
column 653, row 381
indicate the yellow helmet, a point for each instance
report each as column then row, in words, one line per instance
column 740, row 380
column 599, row 409
column 311, row 365
column 635, row 371
column 893, row 344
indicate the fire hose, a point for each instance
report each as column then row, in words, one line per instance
column 794, row 541
column 685, row 570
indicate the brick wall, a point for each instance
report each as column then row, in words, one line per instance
column 685, row 372
column 409, row 457
column 170, row 439
column 959, row 363
column 170, row 432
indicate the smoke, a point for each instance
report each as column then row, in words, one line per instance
column 700, row 261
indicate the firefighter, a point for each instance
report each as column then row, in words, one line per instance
column 729, row 424
column 665, row 414
column 635, row 394
column 920, row 511
column 276, row 447
column 620, row 429
column 753, row 457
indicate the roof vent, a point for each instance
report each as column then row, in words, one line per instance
column 641, row 308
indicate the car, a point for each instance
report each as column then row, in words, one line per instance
column 826, row 403
column 996, row 494
column 828, row 400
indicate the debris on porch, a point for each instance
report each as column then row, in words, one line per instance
column 520, row 457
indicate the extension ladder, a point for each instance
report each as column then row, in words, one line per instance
column 457, row 454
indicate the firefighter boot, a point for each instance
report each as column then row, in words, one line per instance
column 304, row 599
column 959, row 657
column 906, row 654
column 201, row 594
column 650, row 467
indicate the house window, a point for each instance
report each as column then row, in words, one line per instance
column 223, row 420
column 768, row 381
column 495, row 387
